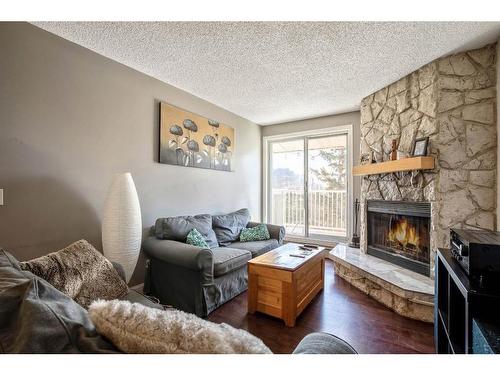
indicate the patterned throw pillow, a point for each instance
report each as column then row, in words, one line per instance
column 79, row 271
column 196, row 239
column 257, row 233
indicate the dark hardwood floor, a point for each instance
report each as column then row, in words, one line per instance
column 340, row 309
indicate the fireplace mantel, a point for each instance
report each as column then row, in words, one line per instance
column 408, row 164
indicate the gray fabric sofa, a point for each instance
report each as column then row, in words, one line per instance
column 323, row 343
column 37, row 318
column 198, row 280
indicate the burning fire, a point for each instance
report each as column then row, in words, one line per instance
column 404, row 233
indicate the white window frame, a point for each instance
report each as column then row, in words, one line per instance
column 334, row 130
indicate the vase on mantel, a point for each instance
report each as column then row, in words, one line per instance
column 122, row 224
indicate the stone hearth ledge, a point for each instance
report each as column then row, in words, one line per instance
column 406, row 292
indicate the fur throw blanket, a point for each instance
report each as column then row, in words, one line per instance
column 79, row 271
column 135, row 328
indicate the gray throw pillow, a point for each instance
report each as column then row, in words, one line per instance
column 177, row 228
column 37, row 318
column 228, row 227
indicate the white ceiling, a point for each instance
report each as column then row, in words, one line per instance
column 272, row 72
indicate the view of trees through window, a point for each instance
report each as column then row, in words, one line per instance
column 326, row 159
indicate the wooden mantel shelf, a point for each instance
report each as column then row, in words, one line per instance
column 408, row 164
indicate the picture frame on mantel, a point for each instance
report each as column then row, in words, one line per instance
column 420, row 147
column 366, row 159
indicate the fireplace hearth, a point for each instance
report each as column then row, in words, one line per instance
column 398, row 232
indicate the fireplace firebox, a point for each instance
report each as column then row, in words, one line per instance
column 398, row 232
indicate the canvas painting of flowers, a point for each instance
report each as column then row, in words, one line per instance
column 190, row 140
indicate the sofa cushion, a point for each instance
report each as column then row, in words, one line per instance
column 135, row 328
column 196, row 239
column 256, row 247
column 35, row 317
column 228, row 227
column 257, row 233
column 227, row 259
column 79, row 271
column 177, row 228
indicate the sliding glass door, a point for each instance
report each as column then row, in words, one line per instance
column 327, row 186
column 315, row 167
column 287, row 185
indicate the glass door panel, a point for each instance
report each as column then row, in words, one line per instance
column 286, row 193
column 327, row 186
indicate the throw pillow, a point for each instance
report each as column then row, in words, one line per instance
column 195, row 238
column 257, row 233
column 37, row 318
column 79, row 271
column 135, row 328
column 228, row 227
column 177, row 228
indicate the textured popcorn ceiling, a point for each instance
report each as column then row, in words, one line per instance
column 271, row 72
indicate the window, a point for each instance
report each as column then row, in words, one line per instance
column 307, row 183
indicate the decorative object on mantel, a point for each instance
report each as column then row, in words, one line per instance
column 366, row 158
column 401, row 155
column 122, row 223
column 355, row 237
column 394, row 150
column 408, row 164
column 420, row 146
column 190, row 140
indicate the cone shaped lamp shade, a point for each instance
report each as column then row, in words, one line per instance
column 122, row 224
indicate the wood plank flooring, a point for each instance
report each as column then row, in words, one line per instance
column 339, row 309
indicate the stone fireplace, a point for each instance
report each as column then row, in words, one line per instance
column 452, row 101
column 398, row 232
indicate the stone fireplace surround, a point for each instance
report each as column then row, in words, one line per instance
column 452, row 100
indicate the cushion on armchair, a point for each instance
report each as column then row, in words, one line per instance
column 79, row 271
column 228, row 227
column 177, row 228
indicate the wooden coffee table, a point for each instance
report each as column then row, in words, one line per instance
column 281, row 285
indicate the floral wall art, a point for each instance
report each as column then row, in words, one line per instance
column 191, row 140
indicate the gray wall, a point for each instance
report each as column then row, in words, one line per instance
column 351, row 118
column 70, row 119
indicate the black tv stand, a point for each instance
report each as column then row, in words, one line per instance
column 465, row 320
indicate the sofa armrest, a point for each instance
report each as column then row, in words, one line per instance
column 276, row 232
column 180, row 254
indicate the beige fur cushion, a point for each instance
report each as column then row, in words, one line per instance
column 79, row 271
column 135, row 328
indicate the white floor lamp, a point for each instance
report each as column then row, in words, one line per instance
column 122, row 224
